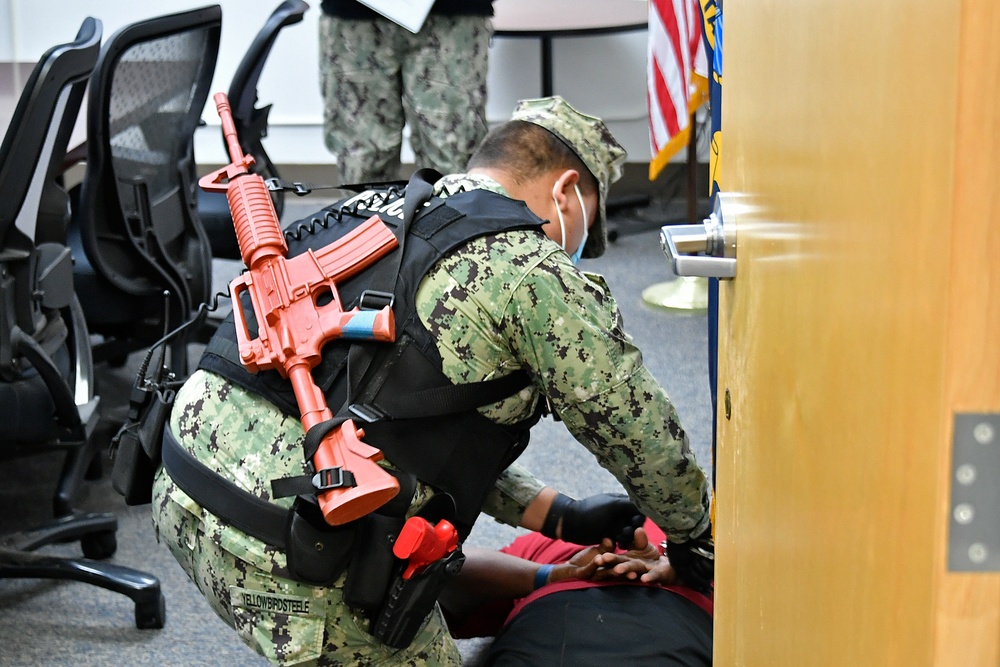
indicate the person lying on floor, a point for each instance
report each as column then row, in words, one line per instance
column 550, row 602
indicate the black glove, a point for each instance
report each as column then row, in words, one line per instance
column 590, row 520
column 694, row 561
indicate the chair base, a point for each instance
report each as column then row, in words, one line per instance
column 96, row 533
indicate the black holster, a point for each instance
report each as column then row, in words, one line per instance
column 407, row 603
column 410, row 601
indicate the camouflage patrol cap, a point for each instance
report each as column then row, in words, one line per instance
column 593, row 143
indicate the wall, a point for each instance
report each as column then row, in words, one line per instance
column 290, row 80
column 6, row 34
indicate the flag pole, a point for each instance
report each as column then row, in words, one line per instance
column 692, row 176
column 684, row 292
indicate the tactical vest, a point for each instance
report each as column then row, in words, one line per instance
column 425, row 424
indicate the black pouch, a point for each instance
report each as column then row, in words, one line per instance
column 136, row 447
column 317, row 553
column 369, row 575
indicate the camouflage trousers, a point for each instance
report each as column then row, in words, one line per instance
column 376, row 76
column 288, row 622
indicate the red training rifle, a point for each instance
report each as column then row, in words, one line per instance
column 293, row 327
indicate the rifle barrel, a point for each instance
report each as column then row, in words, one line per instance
column 229, row 128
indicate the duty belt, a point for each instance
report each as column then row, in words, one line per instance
column 243, row 510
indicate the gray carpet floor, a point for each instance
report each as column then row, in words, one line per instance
column 45, row 622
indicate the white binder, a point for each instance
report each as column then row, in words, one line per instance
column 410, row 14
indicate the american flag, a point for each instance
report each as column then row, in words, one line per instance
column 676, row 76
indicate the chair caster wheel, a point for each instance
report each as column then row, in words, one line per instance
column 151, row 614
column 99, row 545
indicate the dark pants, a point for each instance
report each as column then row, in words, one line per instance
column 638, row 626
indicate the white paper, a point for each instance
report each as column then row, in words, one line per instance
column 410, row 14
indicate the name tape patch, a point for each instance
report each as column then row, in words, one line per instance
column 270, row 602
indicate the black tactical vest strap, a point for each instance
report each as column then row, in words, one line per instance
column 322, row 480
column 419, row 191
column 445, row 400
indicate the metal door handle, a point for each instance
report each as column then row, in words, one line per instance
column 713, row 245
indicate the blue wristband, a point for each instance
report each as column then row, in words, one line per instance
column 542, row 575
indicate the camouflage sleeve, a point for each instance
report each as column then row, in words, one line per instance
column 512, row 493
column 566, row 328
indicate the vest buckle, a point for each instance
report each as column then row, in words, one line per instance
column 375, row 300
column 333, row 478
column 366, row 413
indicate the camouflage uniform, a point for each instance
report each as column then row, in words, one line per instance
column 375, row 76
column 500, row 303
column 249, row 442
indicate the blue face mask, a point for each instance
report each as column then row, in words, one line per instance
column 575, row 257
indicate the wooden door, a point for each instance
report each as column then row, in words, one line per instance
column 862, row 148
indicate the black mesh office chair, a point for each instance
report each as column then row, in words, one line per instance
column 136, row 228
column 46, row 373
column 251, row 126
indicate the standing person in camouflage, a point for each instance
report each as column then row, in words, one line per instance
column 496, row 296
column 375, row 76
